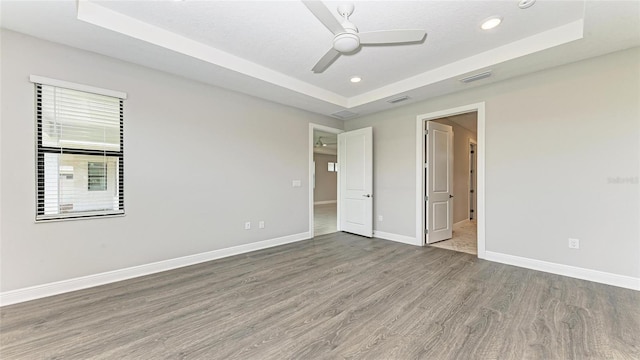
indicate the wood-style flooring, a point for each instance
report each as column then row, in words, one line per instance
column 338, row 296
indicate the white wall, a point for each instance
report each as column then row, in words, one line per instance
column 199, row 162
column 556, row 143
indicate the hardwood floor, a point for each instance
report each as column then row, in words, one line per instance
column 336, row 296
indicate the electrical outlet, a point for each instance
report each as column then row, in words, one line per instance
column 574, row 243
column 261, row 224
column 380, row 218
column 247, row 225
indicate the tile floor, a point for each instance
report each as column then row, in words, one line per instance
column 324, row 219
column 464, row 232
column 464, row 238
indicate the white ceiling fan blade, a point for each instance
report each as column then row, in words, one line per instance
column 326, row 60
column 391, row 36
column 325, row 16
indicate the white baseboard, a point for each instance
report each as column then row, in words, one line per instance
column 59, row 287
column 566, row 270
column 395, row 237
column 325, row 202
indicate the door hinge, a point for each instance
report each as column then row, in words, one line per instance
column 426, row 198
column 425, row 165
column 426, row 231
column 426, row 132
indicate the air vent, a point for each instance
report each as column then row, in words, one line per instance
column 476, row 77
column 344, row 114
column 398, row 99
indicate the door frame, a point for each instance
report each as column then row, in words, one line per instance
column 331, row 130
column 469, row 181
column 479, row 108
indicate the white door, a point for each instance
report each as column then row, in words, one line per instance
column 355, row 177
column 439, row 182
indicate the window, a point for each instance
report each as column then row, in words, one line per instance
column 80, row 169
column 97, row 176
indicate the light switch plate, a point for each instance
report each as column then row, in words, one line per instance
column 296, row 183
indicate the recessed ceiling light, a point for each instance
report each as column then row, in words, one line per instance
column 491, row 22
column 356, row 79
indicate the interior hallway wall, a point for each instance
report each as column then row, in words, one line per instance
column 326, row 181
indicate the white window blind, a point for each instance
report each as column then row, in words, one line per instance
column 80, row 167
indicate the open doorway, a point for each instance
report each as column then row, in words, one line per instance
column 323, row 194
column 451, row 187
column 325, row 184
column 464, row 226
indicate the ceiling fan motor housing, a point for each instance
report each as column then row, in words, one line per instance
column 345, row 10
column 347, row 41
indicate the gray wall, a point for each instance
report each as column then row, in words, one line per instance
column 199, row 162
column 326, row 181
column 562, row 160
column 461, row 137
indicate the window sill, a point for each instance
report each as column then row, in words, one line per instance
column 80, row 217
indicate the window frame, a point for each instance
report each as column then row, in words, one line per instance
column 41, row 150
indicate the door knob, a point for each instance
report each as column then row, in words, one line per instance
column 450, row 196
column 367, row 195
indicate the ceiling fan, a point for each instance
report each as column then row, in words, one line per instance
column 321, row 143
column 347, row 38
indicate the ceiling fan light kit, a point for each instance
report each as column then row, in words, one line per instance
column 347, row 39
column 346, row 43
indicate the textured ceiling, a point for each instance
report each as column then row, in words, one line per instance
column 267, row 48
column 286, row 37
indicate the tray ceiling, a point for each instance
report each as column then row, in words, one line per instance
column 267, row 48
